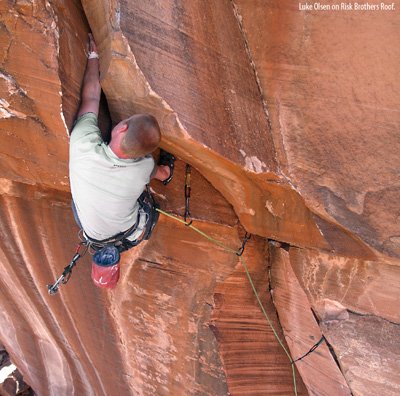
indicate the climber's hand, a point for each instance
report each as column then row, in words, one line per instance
column 161, row 172
column 92, row 44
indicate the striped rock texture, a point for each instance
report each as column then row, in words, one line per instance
column 290, row 121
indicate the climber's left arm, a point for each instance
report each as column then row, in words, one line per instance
column 91, row 89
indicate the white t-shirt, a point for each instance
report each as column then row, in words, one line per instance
column 104, row 188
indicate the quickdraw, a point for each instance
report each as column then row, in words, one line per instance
column 245, row 239
column 87, row 243
column 187, row 214
column 66, row 275
column 187, row 193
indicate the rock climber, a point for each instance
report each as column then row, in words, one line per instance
column 110, row 201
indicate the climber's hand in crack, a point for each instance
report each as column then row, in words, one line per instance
column 92, row 44
column 161, row 172
column 91, row 89
column 165, row 168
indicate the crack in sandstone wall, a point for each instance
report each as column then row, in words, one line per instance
column 333, row 296
column 31, row 96
column 177, row 138
column 264, row 202
column 370, row 364
column 83, row 327
column 253, row 65
column 322, row 105
column 318, row 370
column 115, row 320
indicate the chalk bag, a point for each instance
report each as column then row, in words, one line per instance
column 105, row 267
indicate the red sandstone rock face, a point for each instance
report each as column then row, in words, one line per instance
column 368, row 352
column 253, row 360
column 183, row 319
column 330, row 85
column 35, row 137
column 367, row 287
column 318, row 370
column 245, row 172
column 154, row 334
column 355, row 305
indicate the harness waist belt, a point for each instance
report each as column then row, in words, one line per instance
column 116, row 238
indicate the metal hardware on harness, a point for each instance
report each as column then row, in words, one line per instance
column 245, row 239
column 66, row 275
column 187, row 191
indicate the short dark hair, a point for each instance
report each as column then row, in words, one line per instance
column 142, row 137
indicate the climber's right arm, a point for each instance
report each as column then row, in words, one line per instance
column 91, row 89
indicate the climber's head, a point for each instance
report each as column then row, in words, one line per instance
column 136, row 136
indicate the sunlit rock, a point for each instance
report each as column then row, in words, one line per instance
column 291, row 132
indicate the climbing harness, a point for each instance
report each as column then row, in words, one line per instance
column 149, row 204
column 147, row 220
column 187, row 192
column 66, row 275
column 106, row 253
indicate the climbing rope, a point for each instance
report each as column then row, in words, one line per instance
column 239, row 253
column 65, row 276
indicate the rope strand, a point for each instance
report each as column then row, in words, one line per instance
column 230, row 250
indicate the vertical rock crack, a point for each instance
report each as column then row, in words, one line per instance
column 253, row 66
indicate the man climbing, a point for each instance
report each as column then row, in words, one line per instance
column 108, row 182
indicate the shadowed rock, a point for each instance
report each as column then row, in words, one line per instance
column 291, row 132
